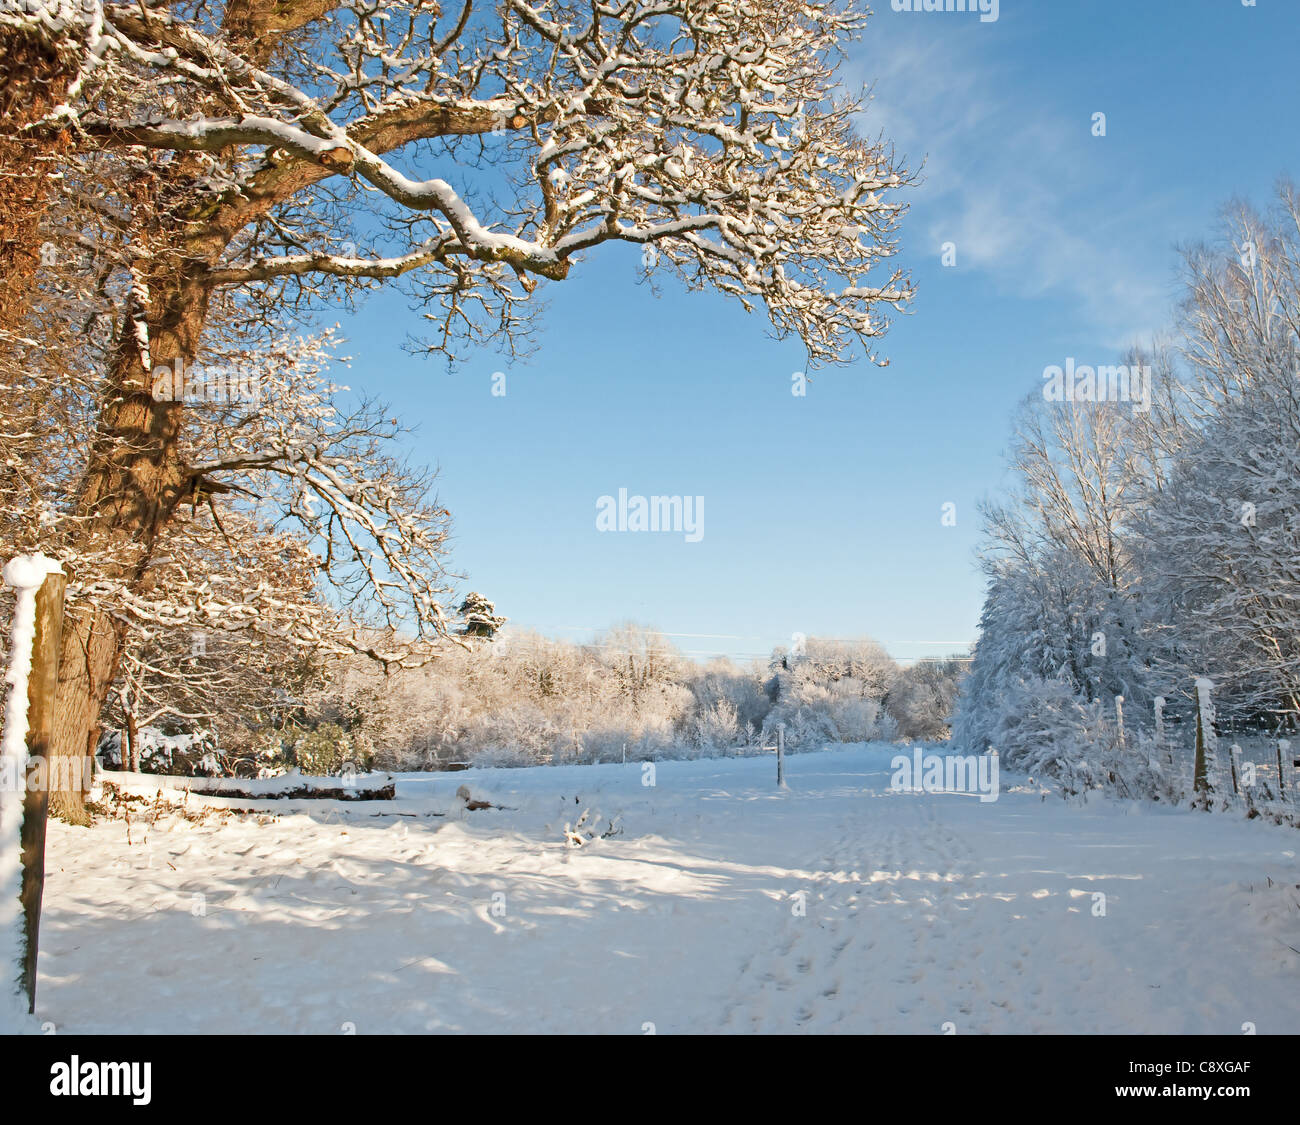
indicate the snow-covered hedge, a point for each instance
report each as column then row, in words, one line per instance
column 322, row 751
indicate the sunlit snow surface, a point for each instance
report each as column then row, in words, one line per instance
column 723, row 905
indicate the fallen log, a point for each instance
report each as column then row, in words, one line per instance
column 295, row 786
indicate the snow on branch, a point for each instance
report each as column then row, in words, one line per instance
column 714, row 132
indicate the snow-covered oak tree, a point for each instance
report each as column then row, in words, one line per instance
column 261, row 158
column 313, row 501
column 710, row 131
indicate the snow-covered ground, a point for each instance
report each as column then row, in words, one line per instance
column 723, row 905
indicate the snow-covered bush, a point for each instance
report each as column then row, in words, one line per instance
column 266, row 755
column 717, row 726
column 188, row 755
column 1039, row 725
column 862, row 720
column 818, row 704
column 327, row 750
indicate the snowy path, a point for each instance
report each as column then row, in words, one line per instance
column 837, row 906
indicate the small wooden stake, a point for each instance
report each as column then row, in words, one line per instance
column 1200, row 776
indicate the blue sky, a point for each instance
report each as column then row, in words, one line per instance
column 822, row 514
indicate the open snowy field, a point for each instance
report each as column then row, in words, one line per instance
column 722, row 905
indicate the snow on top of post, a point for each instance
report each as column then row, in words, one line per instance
column 27, row 572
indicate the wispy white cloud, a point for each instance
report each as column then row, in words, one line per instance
column 1013, row 182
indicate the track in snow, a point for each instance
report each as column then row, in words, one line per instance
column 724, row 905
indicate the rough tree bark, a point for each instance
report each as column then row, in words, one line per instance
column 36, row 76
column 135, row 480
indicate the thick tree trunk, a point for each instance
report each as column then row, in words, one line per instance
column 135, row 479
column 36, row 78
column 87, row 665
column 136, row 475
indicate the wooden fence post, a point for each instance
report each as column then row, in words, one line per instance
column 41, row 687
column 780, row 756
column 1201, row 782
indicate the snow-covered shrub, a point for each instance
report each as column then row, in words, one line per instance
column 718, row 726
column 924, row 697
column 521, row 733
column 806, row 728
column 327, row 750
column 815, row 712
column 267, row 754
column 862, row 720
column 109, row 750
column 1037, row 725
column 199, row 754
column 186, row 755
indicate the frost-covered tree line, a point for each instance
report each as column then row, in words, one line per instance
column 525, row 699
column 189, row 187
column 1142, row 550
column 508, row 697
